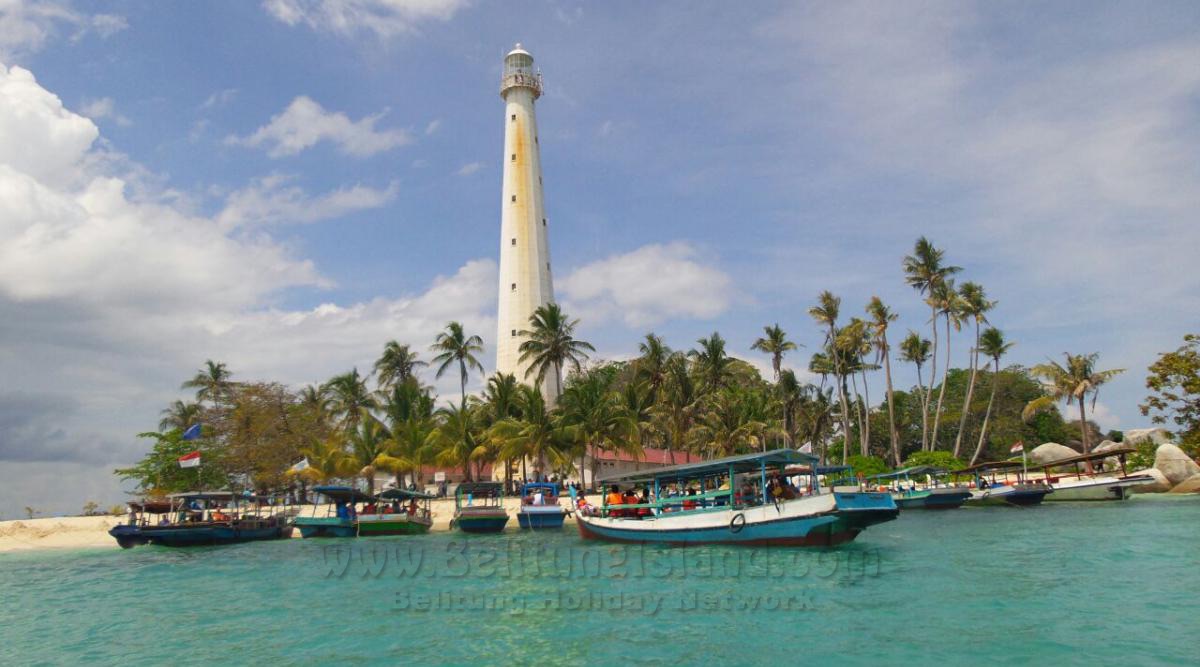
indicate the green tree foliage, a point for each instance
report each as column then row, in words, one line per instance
column 868, row 465
column 158, row 473
column 1174, row 383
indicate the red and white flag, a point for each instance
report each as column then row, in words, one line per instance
column 189, row 460
column 1019, row 447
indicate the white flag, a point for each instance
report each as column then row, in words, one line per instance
column 806, row 449
column 302, row 465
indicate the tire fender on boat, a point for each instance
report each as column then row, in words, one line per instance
column 737, row 523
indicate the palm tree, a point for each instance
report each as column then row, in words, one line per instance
column 398, row 364
column 179, row 416
column 348, row 398
column 1072, row 382
column 550, row 343
column 651, row 366
column 915, row 350
column 924, row 271
column 409, row 412
column 536, row 435
column 453, row 345
column 826, row 313
column 853, row 344
column 712, row 362
column 945, row 300
column 676, row 410
column 595, row 418
column 372, row 449
column 457, row 438
column 211, row 382
column 327, row 461
column 881, row 318
column 973, row 304
column 775, row 343
column 790, row 393
column 500, row 403
column 992, row 344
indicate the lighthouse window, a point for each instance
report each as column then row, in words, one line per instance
column 514, row 198
column 514, row 116
column 514, row 287
column 514, row 157
column 514, row 332
column 543, row 222
column 514, row 241
column 547, row 266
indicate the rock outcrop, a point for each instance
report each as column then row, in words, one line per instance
column 1161, row 483
column 1189, row 485
column 1137, row 436
column 1050, row 452
column 1174, row 463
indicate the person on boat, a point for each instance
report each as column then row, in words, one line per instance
column 369, row 508
column 630, row 498
column 412, row 507
column 645, row 512
column 539, row 497
column 689, row 502
column 614, row 500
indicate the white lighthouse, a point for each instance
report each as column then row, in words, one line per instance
column 525, row 280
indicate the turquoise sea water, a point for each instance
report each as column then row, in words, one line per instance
column 1103, row 583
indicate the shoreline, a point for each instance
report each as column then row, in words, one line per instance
column 90, row 532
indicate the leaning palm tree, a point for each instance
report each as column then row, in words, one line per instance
column 1072, row 382
column 916, row 350
column 775, row 343
column 826, row 313
column 398, row 364
column 924, row 271
column 550, row 344
column 973, row 304
column 454, row 346
column 853, row 344
column 993, row 345
column 945, row 300
column 211, row 382
column 180, row 416
column 881, row 318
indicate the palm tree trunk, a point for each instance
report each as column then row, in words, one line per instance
column 962, row 422
column 865, row 441
column 887, row 368
column 463, row 366
column 937, row 416
column 1083, row 428
column 841, row 392
column 923, row 395
column 987, row 414
column 926, row 442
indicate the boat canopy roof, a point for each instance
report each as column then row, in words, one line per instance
column 206, row 495
column 742, row 463
column 533, row 486
column 829, row 470
column 404, row 494
column 1094, row 456
column 480, row 488
column 908, row 472
column 151, row 506
column 988, row 467
column 343, row 494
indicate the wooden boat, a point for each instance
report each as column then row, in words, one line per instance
column 340, row 518
column 539, row 507
column 202, row 518
column 927, row 494
column 729, row 508
column 398, row 512
column 479, row 507
column 1089, row 484
column 990, row 490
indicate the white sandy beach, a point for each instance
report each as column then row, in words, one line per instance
column 83, row 532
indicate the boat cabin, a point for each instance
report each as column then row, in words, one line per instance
column 479, row 495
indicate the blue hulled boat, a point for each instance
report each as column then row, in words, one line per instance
column 910, row 491
column 722, row 502
column 479, row 508
column 539, row 507
column 340, row 517
column 202, row 518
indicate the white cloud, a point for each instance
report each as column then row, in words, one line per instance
column 110, row 300
column 305, row 123
column 103, row 108
column 219, row 98
column 27, row 25
column 384, row 18
column 273, row 200
column 469, row 168
column 649, row 285
column 433, row 126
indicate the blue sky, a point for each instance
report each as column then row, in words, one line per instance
column 286, row 185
